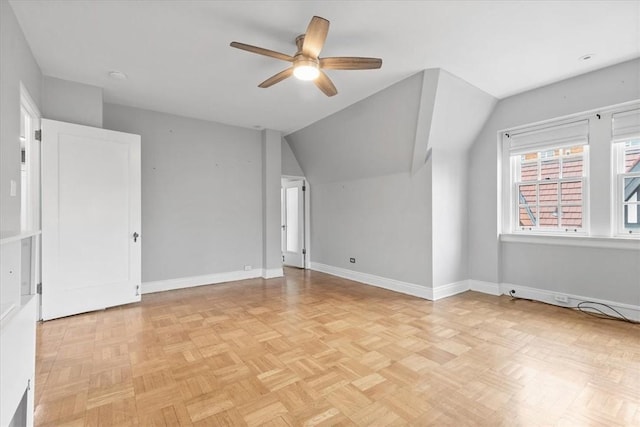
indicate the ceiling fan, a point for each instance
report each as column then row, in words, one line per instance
column 306, row 63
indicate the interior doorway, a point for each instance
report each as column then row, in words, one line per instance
column 294, row 215
column 30, row 158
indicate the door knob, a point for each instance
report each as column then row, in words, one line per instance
column 135, row 236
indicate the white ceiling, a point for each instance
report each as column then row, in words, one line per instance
column 178, row 59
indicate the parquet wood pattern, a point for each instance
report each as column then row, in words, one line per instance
column 316, row 350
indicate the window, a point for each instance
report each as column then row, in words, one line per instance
column 574, row 176
column 549, row 178
column 626, row 152
column 550, row 189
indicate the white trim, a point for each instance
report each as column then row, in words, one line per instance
column 16, row 237
column 27, row 100
column 598, row 206
column 484, row 287
column 307, row 224
column 568, row 117
column 207, row 279
column 307, row 217
column 450, row 289
column 378, row 281
column 270, row 273
column 629, row 311
column 581, row 241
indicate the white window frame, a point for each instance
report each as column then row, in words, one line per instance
column 600, row 208
column 515, row 196
column 618, row 201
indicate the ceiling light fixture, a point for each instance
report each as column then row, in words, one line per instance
column 306, row 69
column 118, row 75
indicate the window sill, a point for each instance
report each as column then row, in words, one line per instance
column 581, row 241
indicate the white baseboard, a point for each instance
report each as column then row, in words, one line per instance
column 270, row 273
column 378, row 281
column 207, row 279
column 450, row 290
column 484, row 287
column 627, row 310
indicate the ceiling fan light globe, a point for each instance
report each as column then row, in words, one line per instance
column 306, row 72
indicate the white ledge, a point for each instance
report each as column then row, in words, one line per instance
column 581, row 241
column 16, row 237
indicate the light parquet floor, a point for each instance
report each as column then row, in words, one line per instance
column 312, row 349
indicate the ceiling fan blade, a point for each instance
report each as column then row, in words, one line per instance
column 315, row 36
column 325, row 84
column 261, row 51
column 350, row 63
column 276, row 78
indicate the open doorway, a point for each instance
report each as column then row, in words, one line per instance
column 30, row 207
column 295, row 219
column 29, row 192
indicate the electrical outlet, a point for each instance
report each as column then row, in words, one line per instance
column 352, row 260
column 247, row 267
column 561, row 298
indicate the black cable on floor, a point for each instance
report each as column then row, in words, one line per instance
column 583, row 308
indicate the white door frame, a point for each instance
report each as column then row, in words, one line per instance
column 34, row 212
column 307, row 217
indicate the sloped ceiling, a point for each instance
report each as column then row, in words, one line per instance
column 391, row 131
column 373, row 137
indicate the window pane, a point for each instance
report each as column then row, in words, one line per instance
column 571, row 192
column 632, row 156
column 549, row 216
column 548, row 194
column 572, row 166
column 529, row 171
column 631, row 189
column 527, row 194
column 292, row 219
column 632, row 216
column 527, row 216
column 572, row 216
column 550, row 169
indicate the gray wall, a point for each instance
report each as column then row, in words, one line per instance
column 609, row 274
column 201, row 193
column 271, row 202
column 290, row 165
column 609, row 86
column 449, row 213
column 17, row 64
column 384, row 222
column 72, row 102
column 373, row 137
column 364, row 202
column 459, row 112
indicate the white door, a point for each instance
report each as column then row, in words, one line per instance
column 91, row 208
column 293, row 223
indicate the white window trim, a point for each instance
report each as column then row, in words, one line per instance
column 617, row 198
column 606, row 218
column 515, row 214
column 570, row 240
